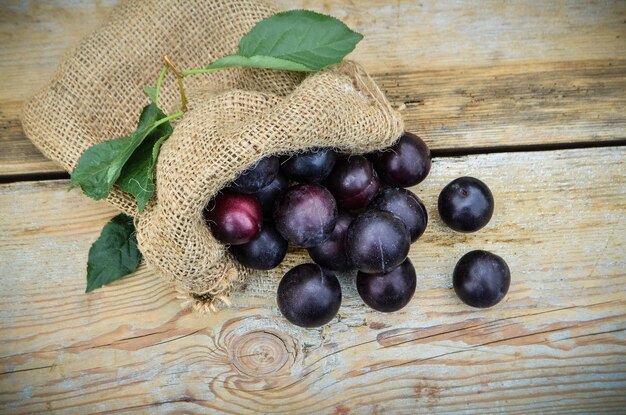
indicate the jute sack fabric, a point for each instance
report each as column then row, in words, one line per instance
column 235, row 118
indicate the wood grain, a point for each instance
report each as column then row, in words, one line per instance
column 471, row 75
column 556, row 344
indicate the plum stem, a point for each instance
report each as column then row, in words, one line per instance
column 179, row 77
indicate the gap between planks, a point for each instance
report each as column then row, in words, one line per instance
column 436, row 153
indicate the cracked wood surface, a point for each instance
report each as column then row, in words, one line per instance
column 469, row 75
column 556, row 344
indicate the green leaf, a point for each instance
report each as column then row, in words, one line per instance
column 151, row 93
column 115, row 253
column 137, row 176
column 92, row 168
column 297, row 40
column 101, row 164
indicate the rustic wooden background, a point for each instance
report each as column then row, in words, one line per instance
column 529, row 96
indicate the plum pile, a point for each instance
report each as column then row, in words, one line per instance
column 351, row 213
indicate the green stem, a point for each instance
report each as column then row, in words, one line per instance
column 160, row 81
column 164, row 120
column 168, row 118
column 202, row 70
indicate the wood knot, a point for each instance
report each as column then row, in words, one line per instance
column 260, row 353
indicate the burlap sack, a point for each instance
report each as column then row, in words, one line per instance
column 235, row 117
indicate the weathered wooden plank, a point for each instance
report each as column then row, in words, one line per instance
column 475, row 108
column 556, row 59
column 34, row 36
column 557, row 344
column 512, row 105
column 19, row 155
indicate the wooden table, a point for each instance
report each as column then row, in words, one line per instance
column 529, row 96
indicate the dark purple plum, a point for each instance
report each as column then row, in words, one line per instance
column 466, row 204
column 311, row 167
column 481, row 279
column 234, row 218
column 389, row 291
column 404, row 164
column 258, row 176
column 265, row 251
column 306, row 215
column 406, row 206
column 353, row 182
column 271, row 194
column 377, row 242
column 331, row 254
column 309, row 296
